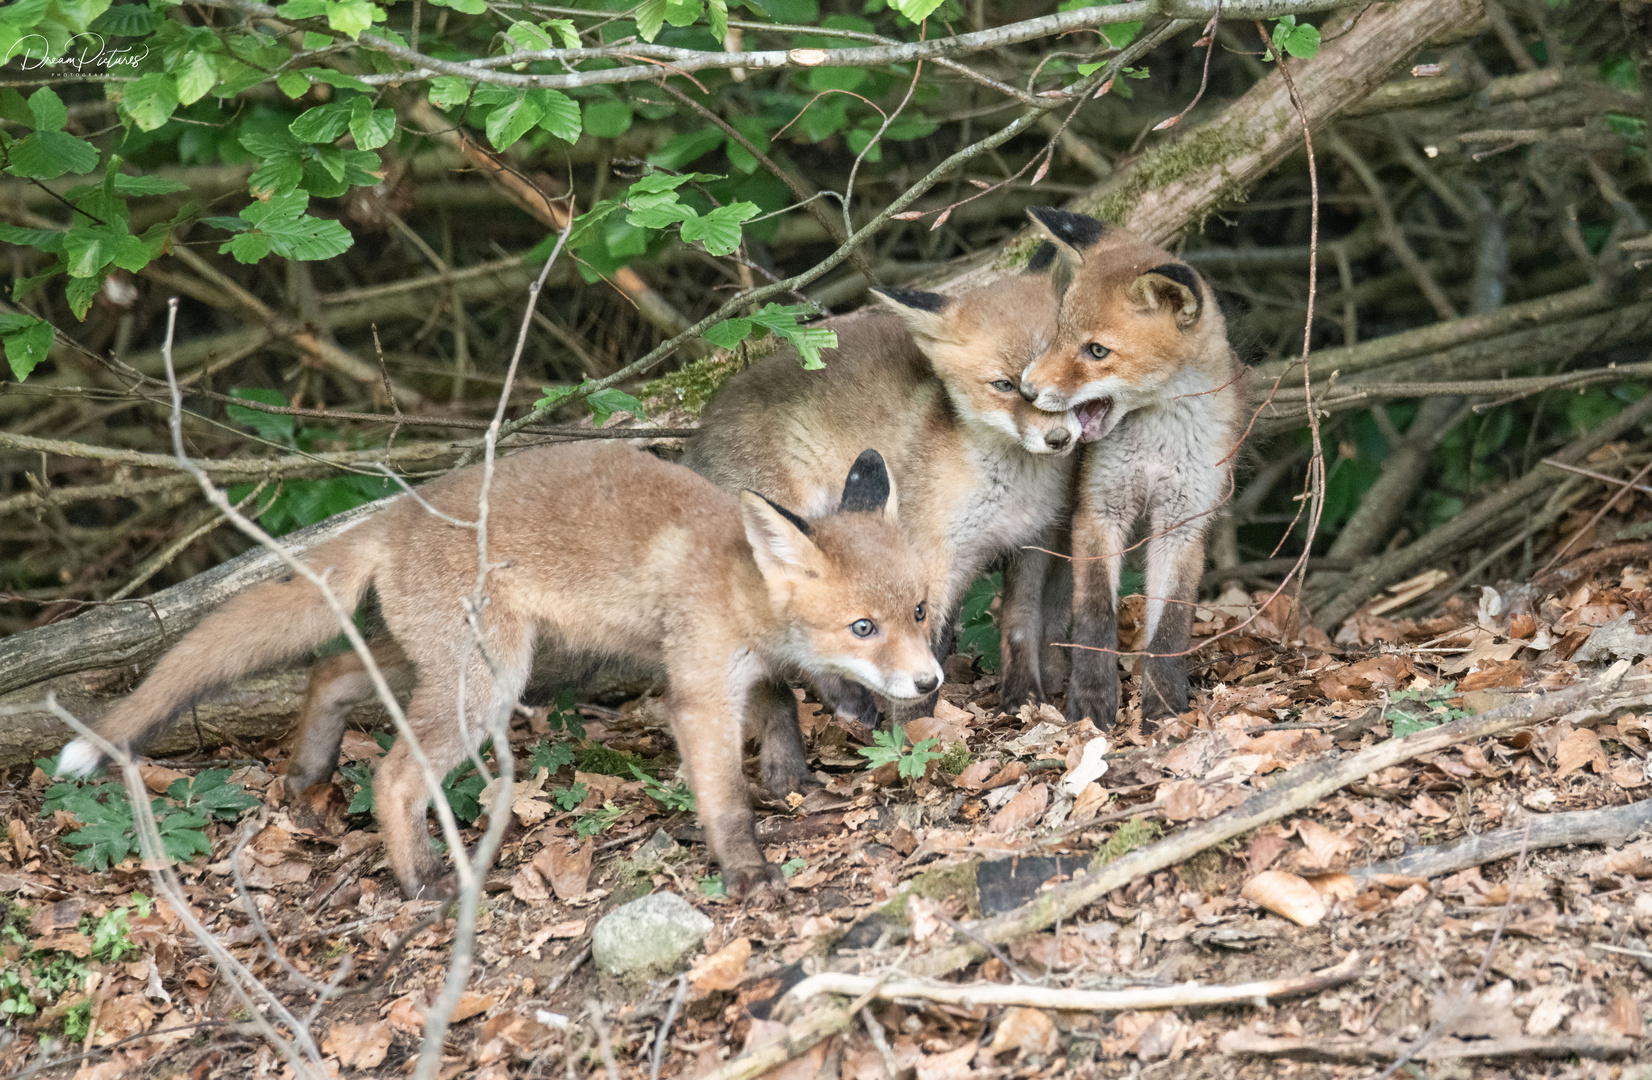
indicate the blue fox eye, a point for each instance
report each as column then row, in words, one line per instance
column 919, row 613
column 1098, row 351
column 1004, row 386
column 863, row 628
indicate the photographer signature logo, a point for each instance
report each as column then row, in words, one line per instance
column 83, row 51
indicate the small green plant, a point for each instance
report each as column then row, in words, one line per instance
column 889, row 747
column 570, row 797
column 43, row 976
column 597, row 758
column 977, row 630
column 598, row 820
column 107, row 833
column 792, row 866
column 552, row 756
column 713, row 887
column 1431, row 709
column 676, row 797
column 955, row 760
column 1300, row 41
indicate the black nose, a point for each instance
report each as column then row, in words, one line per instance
column 1056, row 438
column 1028, row 391
column 926, row 683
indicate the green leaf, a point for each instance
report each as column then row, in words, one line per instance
column 728, row 333
column 559, row 114
column 717, row 18
column 509, row 122
column 292, row 84
column 807, row 340
column 49, row 240
column 127, row 184
column 196, row 75
column 371, row 127
column 658, row 210
column 351, row 17
column 687, row 147
column 48, row 110
column 46, row 155
column 337, row 79
column 650, row 15
column 276, row 427
column 528, row 37
column 565, row 30
column 446, row 91
column 126, row 20
column 465, row 7
column 322, row 124
column 605, row 403
column 1303, row 42
column 80, row 293
column 27, row 342
column 281, row 226
column 608, row 119
column 150, row 101
column 14, row 108
column 916, row 10
column 719, row 230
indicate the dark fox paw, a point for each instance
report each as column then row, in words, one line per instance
column 759, row 884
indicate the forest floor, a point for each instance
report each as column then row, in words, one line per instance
column 1534, row 964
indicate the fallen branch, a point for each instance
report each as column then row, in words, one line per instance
column 1360, row 1051
column 1608, row 825
column 1295, row 790
column 1056, row 997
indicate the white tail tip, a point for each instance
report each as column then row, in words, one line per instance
column 79, row 758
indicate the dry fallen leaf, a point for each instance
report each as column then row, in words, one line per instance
column 924, row 915
column 407, row 1015
column 1092, row 765
column 723, row 969
column 1027, row 807
column 1286, row 894
column 1027, row 1032
column 974, row 776
column 528, row 887
column 1089, row 802
column 1580, row 748
column 472, row 1004
column 358, row 1046
column 953, row 1064
column 568, row 872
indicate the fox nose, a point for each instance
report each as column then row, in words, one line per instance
column 925, row 683
column 1029, row 392
column 1057, row 438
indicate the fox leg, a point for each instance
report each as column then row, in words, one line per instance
column 336, row 685
column 1021, row 629
column 707, row 720
column 773, row 710
column 1175, row 561
column 1099, row 539
column 848, row 699
column 400, row 795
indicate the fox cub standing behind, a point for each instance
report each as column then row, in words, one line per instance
column 597, row 549
column 932, row 382
column 1141, row 354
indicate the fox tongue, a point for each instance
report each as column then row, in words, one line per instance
column 1091, row 415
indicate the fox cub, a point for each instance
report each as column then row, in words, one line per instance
column 597, row 549
column 932, row 381
column 1140, row 354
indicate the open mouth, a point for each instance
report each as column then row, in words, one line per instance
column 1091, row 415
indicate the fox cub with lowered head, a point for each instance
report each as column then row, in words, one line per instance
column 933, row 382
column 600, row 550
column 1140, row 354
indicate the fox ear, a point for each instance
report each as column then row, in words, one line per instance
column 870, row 488
column 924, row 313
column 1071, row 235
column 778, row 538
column 1172, row 287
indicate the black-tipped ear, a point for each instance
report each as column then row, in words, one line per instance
column 916, row 299
column 797, row 522
column 924, row 313
column 1042, row 257
column 867, row 489
column 1073, row 230
column 1175, row 286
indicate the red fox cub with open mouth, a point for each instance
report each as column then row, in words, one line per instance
column 598, row 549
column 1141, row 354
column 932, row 382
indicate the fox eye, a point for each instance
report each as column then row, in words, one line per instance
column 863, row 628
column 918, row 615
column 1097, row 351
column 1004, row 386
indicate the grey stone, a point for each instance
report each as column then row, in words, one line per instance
column 650, row 934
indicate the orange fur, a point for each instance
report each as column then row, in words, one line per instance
column 596, row 549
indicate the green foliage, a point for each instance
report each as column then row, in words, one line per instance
column 297, row 503
column 27, row 339
column 551, row 756
column 604, row 761
column 677, row 797
column 107, row 834
column 782, row 322
column 597, row 821
column 602, row 403
column 1433, row 711
column 1135, row 833
column 955, row 759
column 713, row 888
column 39, row 977
column 793, row 866
column 977, row 629
column 1298, row 41
column 889, row 747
